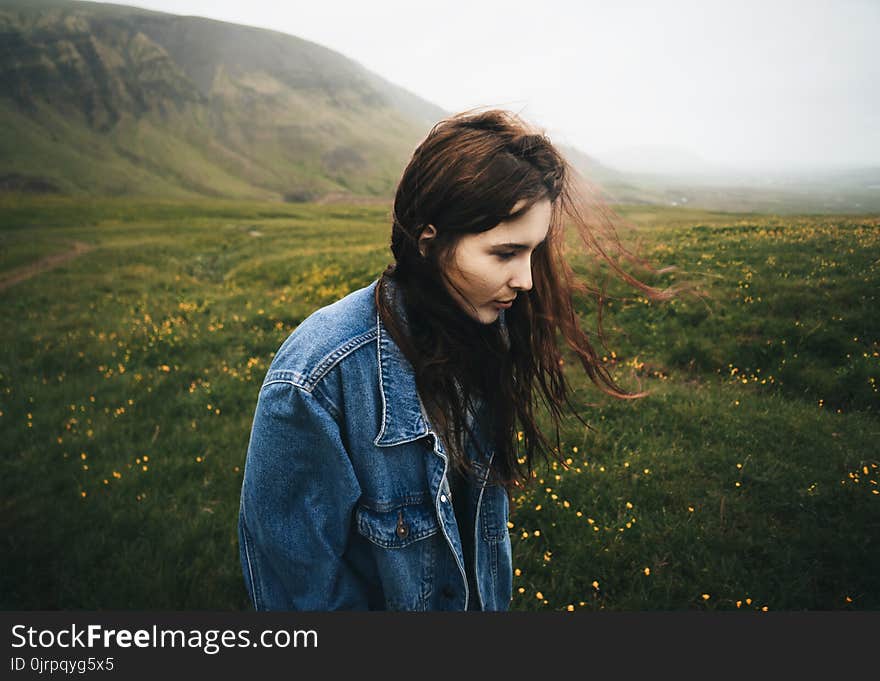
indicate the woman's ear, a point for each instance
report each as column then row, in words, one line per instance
column 427, row 234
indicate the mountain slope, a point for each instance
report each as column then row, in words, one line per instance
column 100, row 99
column 105, row 99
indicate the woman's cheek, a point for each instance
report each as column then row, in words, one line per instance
column 488, row 275
column 493, row 269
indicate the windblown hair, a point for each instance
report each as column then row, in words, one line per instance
column 467, row 176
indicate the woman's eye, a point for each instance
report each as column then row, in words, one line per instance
column 505, row 256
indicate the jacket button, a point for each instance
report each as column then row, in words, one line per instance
column 443, row 498
column 402, row 529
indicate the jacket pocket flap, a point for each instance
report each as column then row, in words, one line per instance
column 398, row 526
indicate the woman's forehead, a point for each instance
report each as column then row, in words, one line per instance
column 528, row 229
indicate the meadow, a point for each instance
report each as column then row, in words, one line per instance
column 747, row 479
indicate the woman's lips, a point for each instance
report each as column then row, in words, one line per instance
column 502, row 306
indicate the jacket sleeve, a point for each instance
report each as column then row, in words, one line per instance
column 297, row 501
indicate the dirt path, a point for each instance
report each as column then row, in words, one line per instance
column 12, row 277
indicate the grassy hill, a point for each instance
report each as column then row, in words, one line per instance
column 112, row 100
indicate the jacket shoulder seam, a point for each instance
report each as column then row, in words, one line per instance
column 319, row 395
column 309, row 381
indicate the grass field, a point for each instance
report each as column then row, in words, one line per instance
column 129, row 375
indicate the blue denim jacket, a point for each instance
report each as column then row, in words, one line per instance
column 345, row 502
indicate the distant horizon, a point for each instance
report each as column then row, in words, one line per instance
column 608, row 158
column 780, row 86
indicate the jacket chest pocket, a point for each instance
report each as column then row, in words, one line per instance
column 406, row 543
column 397, row 525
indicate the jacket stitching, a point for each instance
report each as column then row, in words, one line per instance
column 255, row 584
column 396, row 502
column 309, row 381
column 331, row 360
column 381, row 380
column 321, row 396
column 318, row 395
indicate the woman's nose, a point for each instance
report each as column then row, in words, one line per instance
column 522, row 279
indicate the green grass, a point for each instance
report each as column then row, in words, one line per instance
column 139, row 362
column 21, row 250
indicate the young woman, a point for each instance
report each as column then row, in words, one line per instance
column 393, row 424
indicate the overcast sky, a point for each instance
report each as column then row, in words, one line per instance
column 738, row 83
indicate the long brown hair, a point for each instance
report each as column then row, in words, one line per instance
column 467, row 175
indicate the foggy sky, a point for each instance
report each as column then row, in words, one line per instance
column 745, row 83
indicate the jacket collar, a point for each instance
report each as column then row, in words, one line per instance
column 404, row 418
column 403, row 415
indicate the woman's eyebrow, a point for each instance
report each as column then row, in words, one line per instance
column 518, row 247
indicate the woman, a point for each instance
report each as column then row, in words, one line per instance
column 393, row 424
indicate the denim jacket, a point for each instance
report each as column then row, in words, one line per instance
column 345, row 503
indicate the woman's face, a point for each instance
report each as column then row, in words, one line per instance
column 492, row 267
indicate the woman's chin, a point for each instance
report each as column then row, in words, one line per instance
column 484, row 314
column 489, row 316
